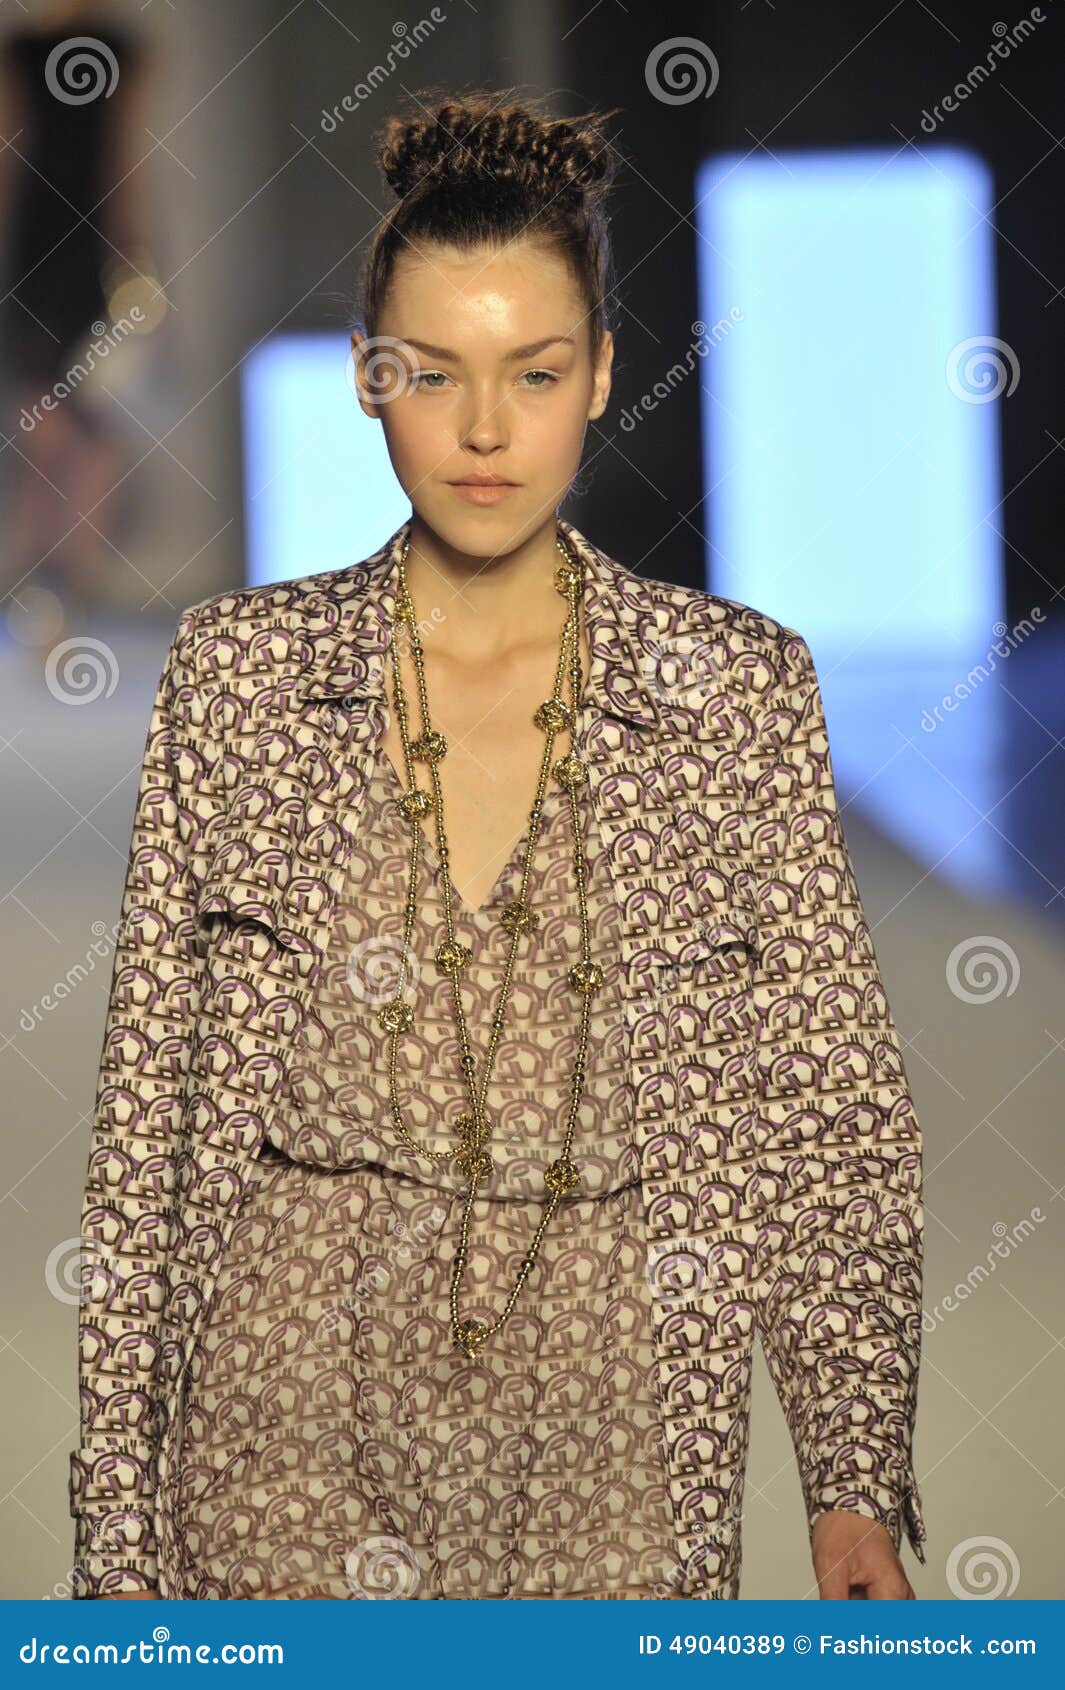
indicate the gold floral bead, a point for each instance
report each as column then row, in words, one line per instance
column 571, row 771
column 586, row 977
column 519, row 917
column 562, row 1176
column 553, row 713
column 451, row 957
column 470, row 1335
column 473, row 1162
column 416, row 803
column 396, row 1016
column 466, row 1127
column 567, row 579
column 430, row 747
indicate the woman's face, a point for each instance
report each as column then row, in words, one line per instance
column 482, row 367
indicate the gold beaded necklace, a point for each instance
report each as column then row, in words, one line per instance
column 473, row 1131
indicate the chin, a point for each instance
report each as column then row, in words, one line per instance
column 488, row 530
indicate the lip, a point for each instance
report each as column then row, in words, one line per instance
column 483, row 492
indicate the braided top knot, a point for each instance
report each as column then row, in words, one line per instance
column 487, row 169
column 475, row 139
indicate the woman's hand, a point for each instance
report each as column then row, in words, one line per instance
column 854, row 1558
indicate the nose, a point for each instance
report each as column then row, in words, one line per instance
column 484, row 426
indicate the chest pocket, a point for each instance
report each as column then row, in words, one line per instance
column 684, row 950
column 258, row 971
column 226, row 906
column 259, row 962
column 691, row 940
column 251, row 882
column 690, row 985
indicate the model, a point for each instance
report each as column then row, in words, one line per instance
column 496, row 1045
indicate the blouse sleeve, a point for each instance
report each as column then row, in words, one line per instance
column 836, row 1182
column 135, row 1125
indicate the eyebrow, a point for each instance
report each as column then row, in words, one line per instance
column 445, row 353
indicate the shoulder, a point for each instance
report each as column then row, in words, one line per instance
column 730, row 637
column 279, row 600
column 265, row 631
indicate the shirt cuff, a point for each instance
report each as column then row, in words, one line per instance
column 114, row 1551
column 895, row 1503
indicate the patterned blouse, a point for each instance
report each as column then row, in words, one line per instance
column 268, row 1400
column 336, row 1444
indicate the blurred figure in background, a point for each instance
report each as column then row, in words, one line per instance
column 72, row 121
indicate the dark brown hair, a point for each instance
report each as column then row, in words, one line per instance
column 480, row 169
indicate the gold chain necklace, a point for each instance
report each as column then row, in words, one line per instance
column 473, row 1132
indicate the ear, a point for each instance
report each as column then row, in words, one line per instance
column 362, row 391
column 601, row 383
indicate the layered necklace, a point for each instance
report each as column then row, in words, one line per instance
column 472, row 1129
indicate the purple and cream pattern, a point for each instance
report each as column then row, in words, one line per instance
column 335, row 1443
column 776, row 1143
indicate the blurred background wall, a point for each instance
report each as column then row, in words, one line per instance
column 239, row 231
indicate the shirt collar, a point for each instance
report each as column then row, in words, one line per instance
column 357, row 604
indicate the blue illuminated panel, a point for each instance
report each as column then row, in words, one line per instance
column 319, row 488
column 847, row 477
column 852, row 409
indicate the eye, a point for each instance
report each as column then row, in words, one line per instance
column 423, row 378
column 549, row 375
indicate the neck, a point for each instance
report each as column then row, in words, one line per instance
column 486, row 605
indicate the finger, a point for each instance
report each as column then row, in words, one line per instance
column 888, row 1584
column 834, row 1581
